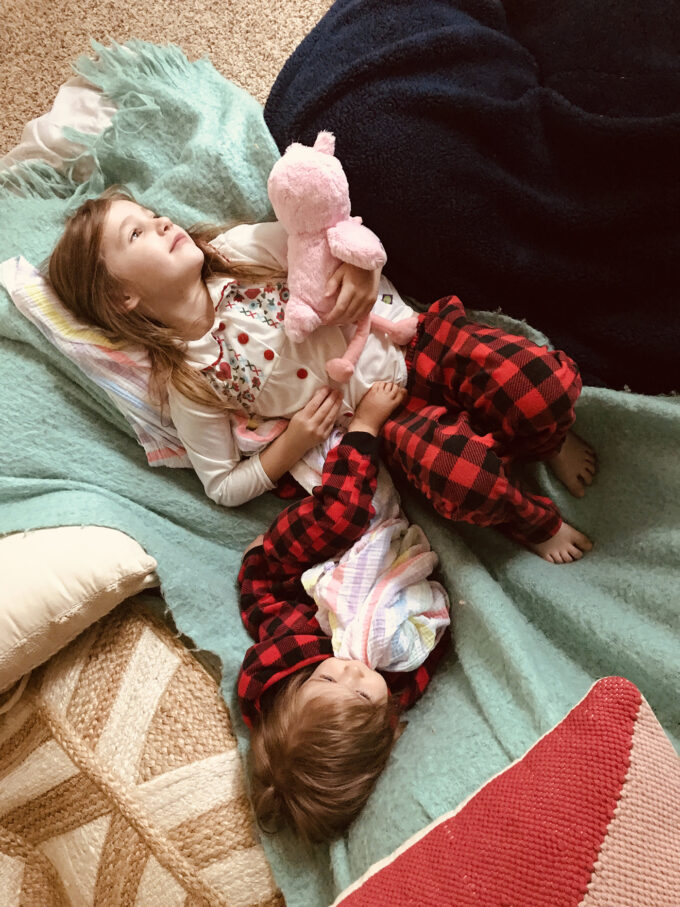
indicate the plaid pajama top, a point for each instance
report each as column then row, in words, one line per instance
column 275, row 609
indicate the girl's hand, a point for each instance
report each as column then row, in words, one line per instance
column 358, row 291
column 310, row 425
column 314, row 422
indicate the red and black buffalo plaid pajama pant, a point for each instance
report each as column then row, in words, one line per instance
column 479, row 400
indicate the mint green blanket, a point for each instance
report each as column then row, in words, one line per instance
column 530, row 637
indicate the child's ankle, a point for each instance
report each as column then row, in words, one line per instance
column 367, row 425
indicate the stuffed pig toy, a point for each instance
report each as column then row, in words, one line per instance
column 309, row 193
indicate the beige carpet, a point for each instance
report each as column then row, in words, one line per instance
column 248, row 41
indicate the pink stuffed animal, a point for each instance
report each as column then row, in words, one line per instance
column 310, row 196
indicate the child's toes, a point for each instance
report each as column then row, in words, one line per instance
column 590, row 462
column 577, row 487
column 583, row 542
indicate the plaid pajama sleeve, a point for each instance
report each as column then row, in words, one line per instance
column 335, row 515
column 275, row 609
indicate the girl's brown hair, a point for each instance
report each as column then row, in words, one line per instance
column 84, row 284
column 314, row 767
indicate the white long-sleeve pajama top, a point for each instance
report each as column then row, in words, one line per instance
column 247, row 355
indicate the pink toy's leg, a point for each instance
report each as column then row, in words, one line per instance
column 342, row 369
column 401, row 332
column 300, row 319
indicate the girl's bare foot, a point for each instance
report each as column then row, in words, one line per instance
column 379, row 402
column 567, row 545
column 575, row 465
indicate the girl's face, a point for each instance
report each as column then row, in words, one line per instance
column 344, row 677
column 157, row 261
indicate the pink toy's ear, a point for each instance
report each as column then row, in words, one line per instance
column 325, row 143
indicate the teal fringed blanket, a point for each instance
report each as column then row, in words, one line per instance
column 530, row 637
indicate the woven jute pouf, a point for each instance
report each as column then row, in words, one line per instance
column 120, row 781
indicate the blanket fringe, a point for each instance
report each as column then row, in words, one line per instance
column 36, row 179
column 122, row 72
column 112, row 72
column 129, row 75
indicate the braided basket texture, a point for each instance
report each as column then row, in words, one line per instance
column 120, row 781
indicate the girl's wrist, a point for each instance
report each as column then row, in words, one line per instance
column 277, row 458
column 295, row 444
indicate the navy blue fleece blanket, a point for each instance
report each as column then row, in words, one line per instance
column 522, row 155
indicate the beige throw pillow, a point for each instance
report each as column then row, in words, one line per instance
column 56, row 582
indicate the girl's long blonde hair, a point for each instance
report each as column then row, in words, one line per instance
column 84, row 284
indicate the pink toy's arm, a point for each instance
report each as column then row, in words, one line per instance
column 352, row 242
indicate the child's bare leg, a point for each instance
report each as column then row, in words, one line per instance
column 377, row 404
column 567, row 545
column 575, row 465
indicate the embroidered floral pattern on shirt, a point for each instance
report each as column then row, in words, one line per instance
column 233, row 373
column 265, row 304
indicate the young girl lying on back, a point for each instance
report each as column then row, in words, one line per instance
column 478, row 399
column 322, row 727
